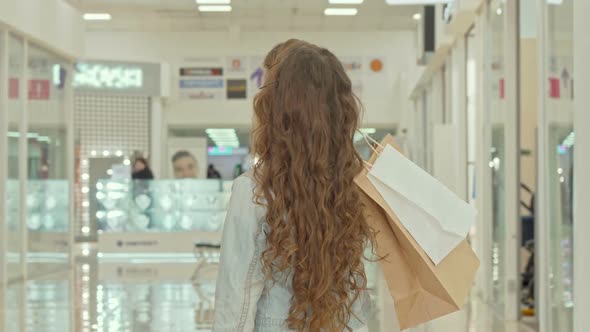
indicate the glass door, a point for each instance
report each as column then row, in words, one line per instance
column 559, row 154
column 496, row 115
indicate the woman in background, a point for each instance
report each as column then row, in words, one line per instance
column 295, row 234
column 141, row 170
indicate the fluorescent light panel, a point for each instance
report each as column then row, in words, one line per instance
column 346, row 2
column 215, row 131
column 224, row 137
column 415, row 2
column 214, row 9
column 97, row 16
column 340, row 11
column 213, row 2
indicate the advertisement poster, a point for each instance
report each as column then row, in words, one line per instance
column 201, row 71
column 236, row 64
column 236, row 88
column 205, row 83
column 202, row 88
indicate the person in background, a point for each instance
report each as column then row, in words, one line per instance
column 141, row 170
column 213, row 173
column 185, row 165
column 295, row 233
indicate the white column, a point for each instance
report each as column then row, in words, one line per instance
column 512, row 165
column 156, row 136
column 71, row 169
column 458, row 115
column 581, row 167
column 3, row 166
column 542, row 242
column 482, row 169
column 23, row 175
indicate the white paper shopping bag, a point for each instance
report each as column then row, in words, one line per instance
column 435, row 217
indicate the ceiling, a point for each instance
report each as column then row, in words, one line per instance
column 247, row 15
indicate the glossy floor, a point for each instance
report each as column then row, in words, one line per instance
column 161, row 296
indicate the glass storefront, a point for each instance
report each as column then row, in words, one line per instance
column 559, row 110
column 496, row 117
column 36, row 155
column 47, row 187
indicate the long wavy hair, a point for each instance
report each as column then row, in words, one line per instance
column 305, row 118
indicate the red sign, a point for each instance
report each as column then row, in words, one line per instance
column 502, row 88
column 216, row 71
column 554, row 87
column 13, row 88
column 39, row 89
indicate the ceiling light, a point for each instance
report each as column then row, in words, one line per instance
column 417, row 17
column 499, row 11
column 215, row 9
column 346, row 2
column 213, row 2
column 217, row 131
column 97, row 16
column 340, row 11
column 415, row 2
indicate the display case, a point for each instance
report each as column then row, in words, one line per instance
column 159, row 215
column 47, row 208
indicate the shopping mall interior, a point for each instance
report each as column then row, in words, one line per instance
column 123, row 124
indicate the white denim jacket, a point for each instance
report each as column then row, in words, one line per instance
column 244, row 302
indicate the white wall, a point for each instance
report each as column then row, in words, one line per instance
column 381, row 102
column 52, row 23
column 581, row 166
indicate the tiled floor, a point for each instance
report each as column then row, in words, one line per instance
column 169, row 297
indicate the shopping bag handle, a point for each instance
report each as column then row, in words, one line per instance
column 370, row 141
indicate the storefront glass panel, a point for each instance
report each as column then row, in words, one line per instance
column 559, row 110
column 496, row 117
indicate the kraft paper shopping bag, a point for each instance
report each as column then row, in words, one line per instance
column 435, row 216
column 421, row 290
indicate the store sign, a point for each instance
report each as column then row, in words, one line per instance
column 110, row 77
column 39, row 89
column 141, row 79
column 204, row 83
column 236, row 89
column 216, row 71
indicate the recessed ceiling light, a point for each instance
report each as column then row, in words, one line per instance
column 346, row 2
column 97, row 16
column 499, row 11
column 415, row 2
column 417, row 16
column 340, row 11
column 213, row 2
column 215, row 9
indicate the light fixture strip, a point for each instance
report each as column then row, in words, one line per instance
column 340, row 11
column 215, row 9
column 97, row 16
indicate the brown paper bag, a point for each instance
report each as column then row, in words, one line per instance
column 421, row 291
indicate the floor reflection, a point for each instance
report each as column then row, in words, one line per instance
column 159, row 295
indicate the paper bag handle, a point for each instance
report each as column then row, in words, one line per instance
column 370, row 141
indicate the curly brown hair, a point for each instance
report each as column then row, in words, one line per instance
column 305, row 118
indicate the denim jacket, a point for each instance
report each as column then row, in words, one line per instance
column 244, row 302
